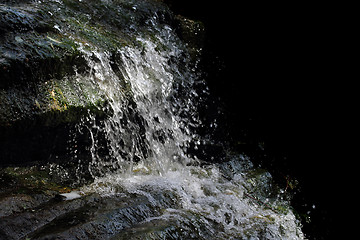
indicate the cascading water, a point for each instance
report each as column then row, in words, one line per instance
column 152, row 106
column 135, row 152
column 148, row 127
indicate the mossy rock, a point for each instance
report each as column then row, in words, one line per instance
column 30, row 180
column 43, row 44
column 52, row 102
column 47, row 84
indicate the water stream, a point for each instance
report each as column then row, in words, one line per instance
column 141, row 150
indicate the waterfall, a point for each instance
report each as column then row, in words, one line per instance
column 150, row 100
column 140, row 149
column 105, row 104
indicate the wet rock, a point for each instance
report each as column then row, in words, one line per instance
column 17, row 203
column 88, row 217
column 145, row 212
column 35, row 205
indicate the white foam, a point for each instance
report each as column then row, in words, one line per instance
column 71, row 195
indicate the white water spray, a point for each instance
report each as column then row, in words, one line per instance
column 153, row 111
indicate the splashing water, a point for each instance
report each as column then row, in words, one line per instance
column 150, row 126
column 141, row 148
column 145, row 177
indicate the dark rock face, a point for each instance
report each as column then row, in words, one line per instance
column 48, row 216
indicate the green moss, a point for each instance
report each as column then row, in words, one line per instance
column 27, row 180
column 94, row 36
